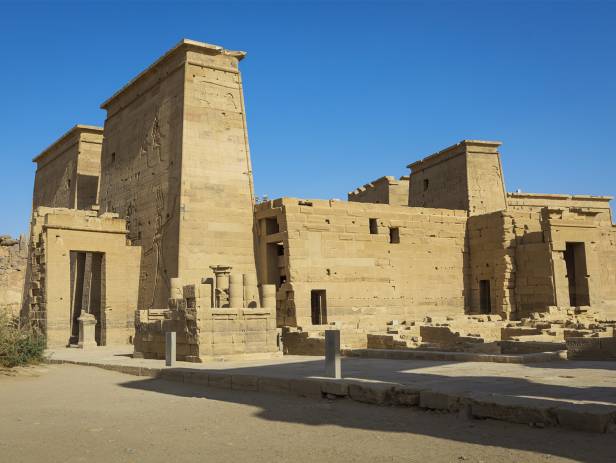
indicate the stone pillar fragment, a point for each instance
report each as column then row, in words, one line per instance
column 176, row 291
column 332, row 354
column 87, row 326
column 251, row 291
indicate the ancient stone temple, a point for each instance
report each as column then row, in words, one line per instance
column 150, row 225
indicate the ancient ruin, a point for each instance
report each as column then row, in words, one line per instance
column 150, row 225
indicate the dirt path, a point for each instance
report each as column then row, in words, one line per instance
column 73, row 414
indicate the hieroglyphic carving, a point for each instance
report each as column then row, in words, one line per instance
column 151, row 144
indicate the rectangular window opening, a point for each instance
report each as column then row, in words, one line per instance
column 374, row 227
column 394, row 235
column 426, row 184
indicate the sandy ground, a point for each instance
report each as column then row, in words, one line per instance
column 65, row 413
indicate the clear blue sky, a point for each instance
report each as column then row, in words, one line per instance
column 337, row 94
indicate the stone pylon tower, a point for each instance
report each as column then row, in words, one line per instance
column 176, row 165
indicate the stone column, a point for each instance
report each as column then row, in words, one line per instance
column 87, row 326
column 268, row 296
column 221, row 291
column 236, row 290
column 251, row 291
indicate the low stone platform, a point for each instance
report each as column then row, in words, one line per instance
column 417, row 354
column 577, row 395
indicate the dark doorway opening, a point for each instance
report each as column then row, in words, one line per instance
column 86, row 292
column 577, row 274
column 485, row 302
column 394, row 235
column 275, row 264
column 318, row 305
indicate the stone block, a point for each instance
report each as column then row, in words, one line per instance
column 306, row 387
column 586, row 417
column 334, row 387
column 244, row 382
column 434, row 400
column 405, row 396
column 371, row 392
column 197, row 377
column 172, row 374
column 219, row 380
column 511, row 409
column 274, row 385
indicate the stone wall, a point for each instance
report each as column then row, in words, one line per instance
column 522, row 255
column 68, row 171
column 492, row 259
column 536, row 201
column 141, row 171
column 176, row 166
column 385, row 190
column 217, row 193
column 13, row 262
column 53, row 299
column 205, row 332
column 375, row 262
column 467, row 176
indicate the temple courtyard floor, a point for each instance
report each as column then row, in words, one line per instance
column 576, row 395
column 70, row 413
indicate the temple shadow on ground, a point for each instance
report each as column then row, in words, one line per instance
column 271, row 408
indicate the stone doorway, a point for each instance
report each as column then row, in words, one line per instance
column 86, row 292
column 577, row 274
column 485, row 301
column 318, row 306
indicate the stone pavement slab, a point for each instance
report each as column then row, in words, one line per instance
column 579, row 395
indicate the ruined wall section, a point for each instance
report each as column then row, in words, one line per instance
column 13, row 261
column 385, row 190
column 141, row 170
column 328, row 245
column 217, row 194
